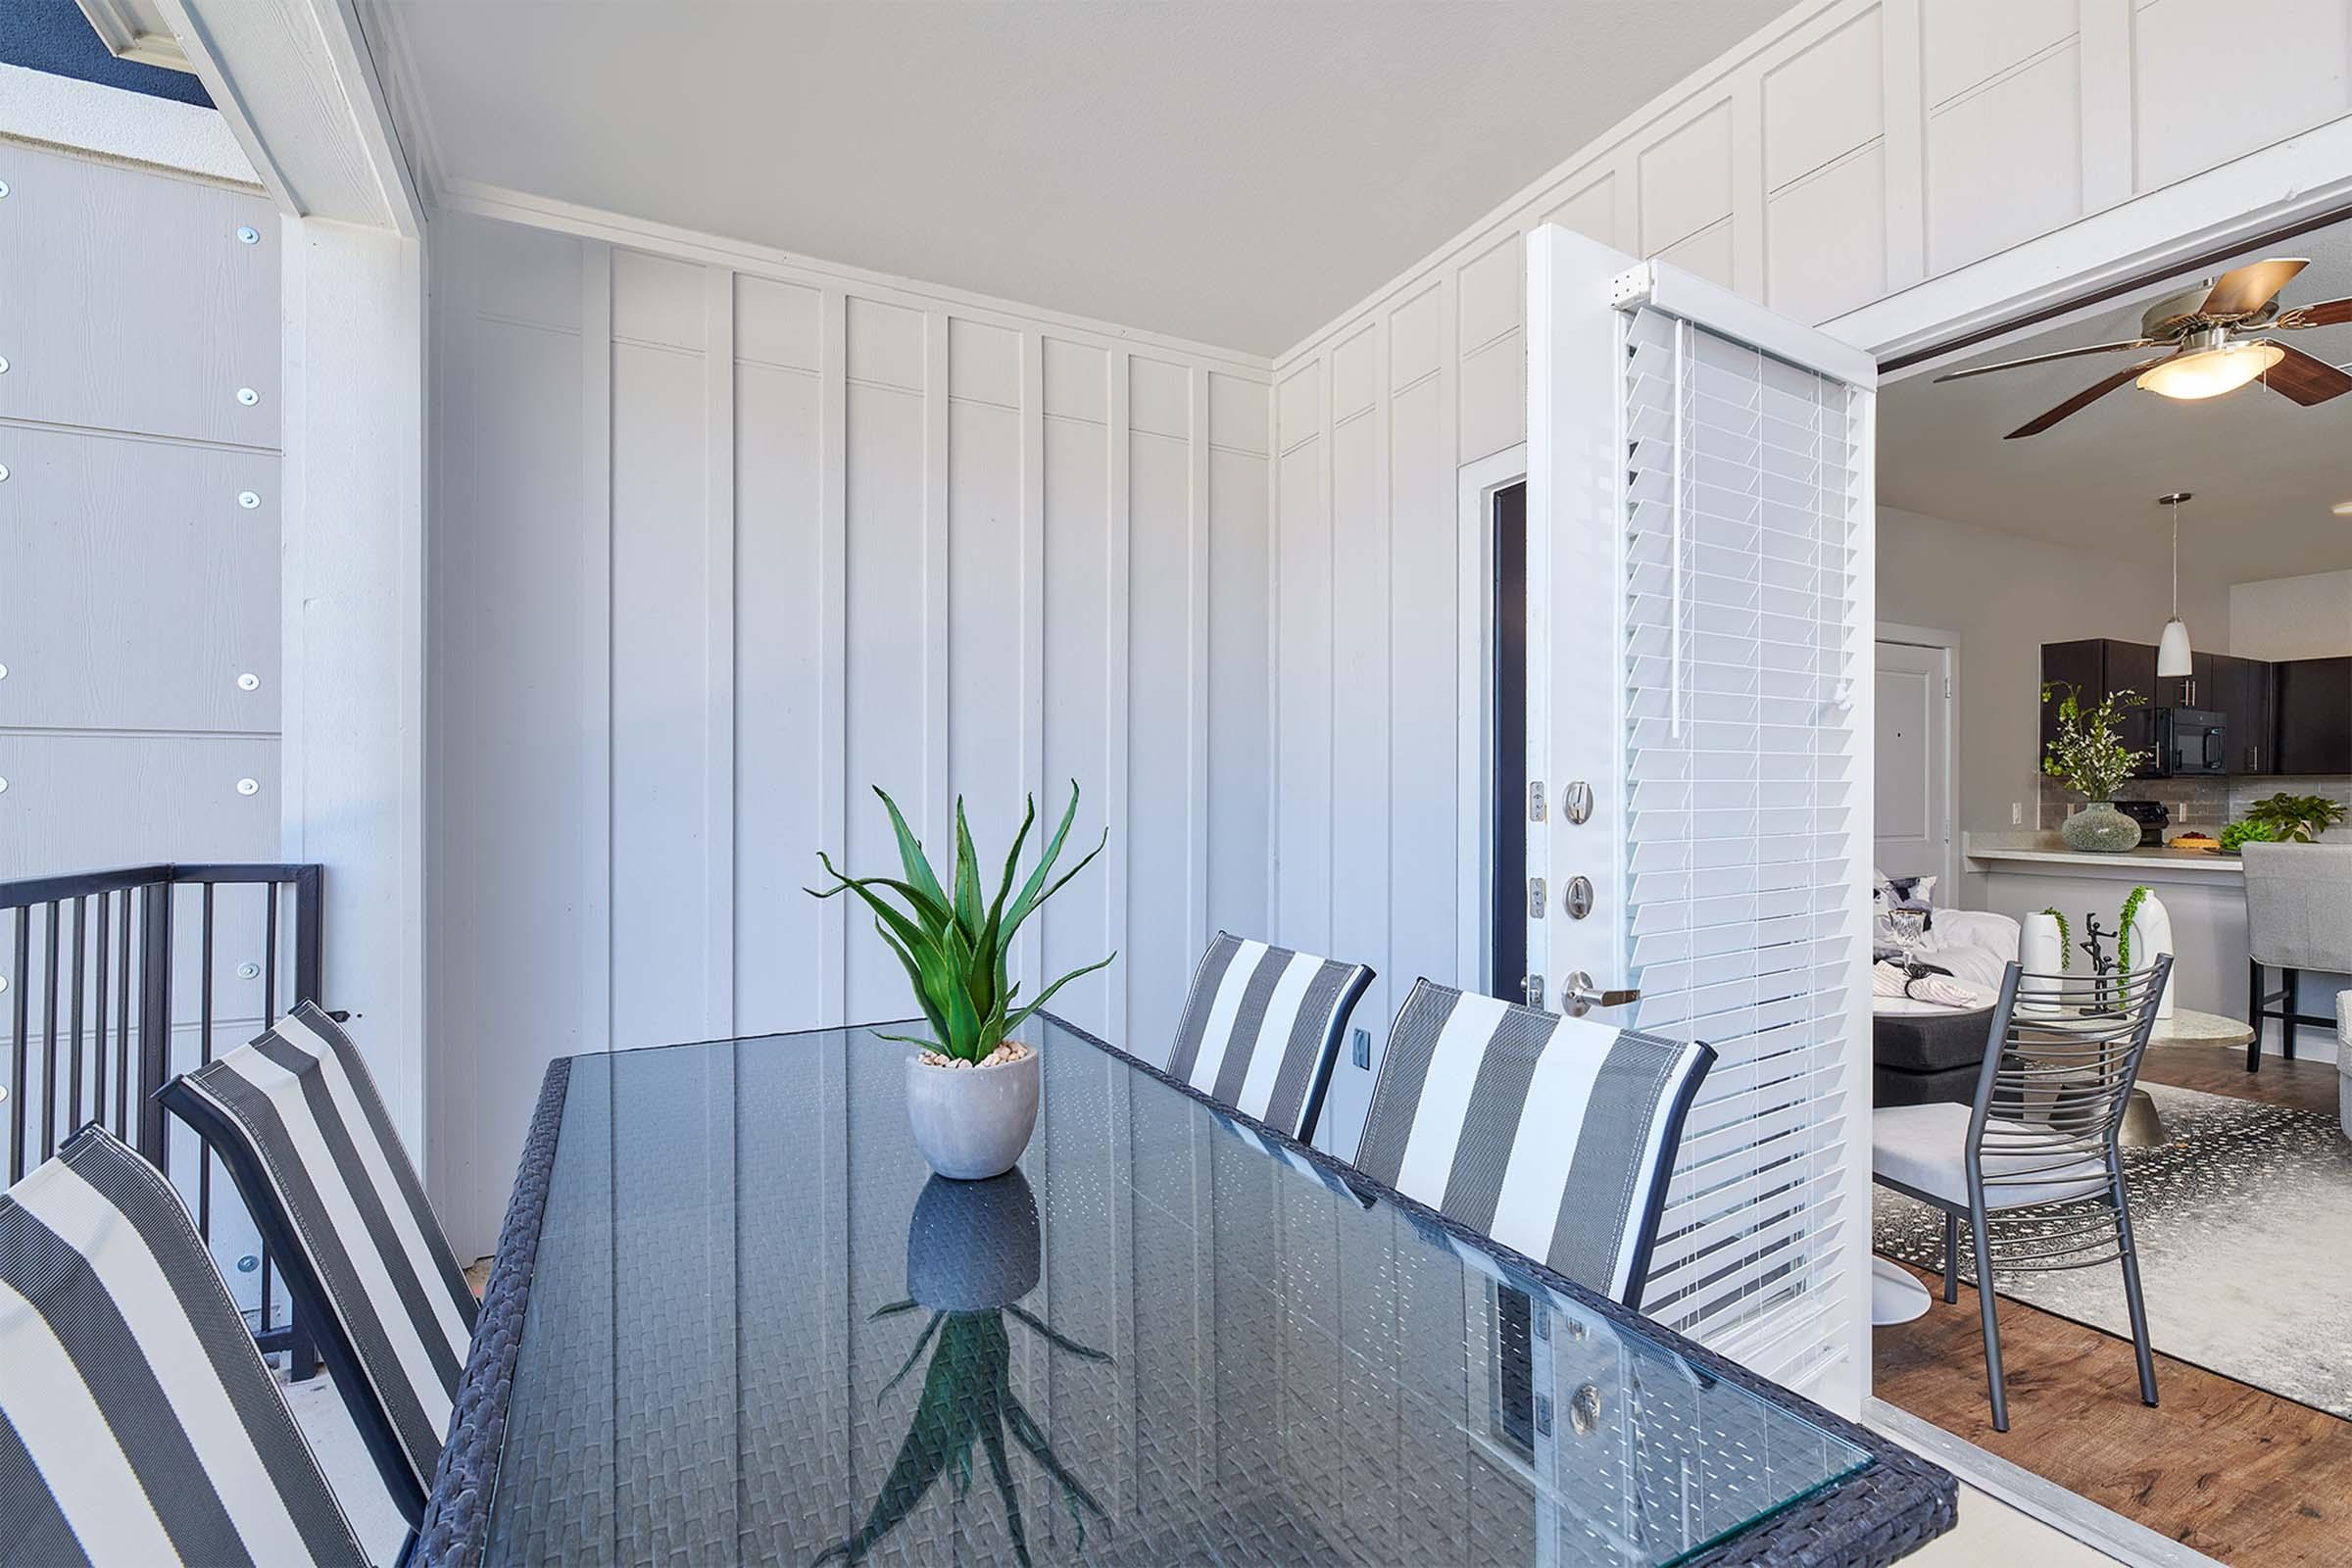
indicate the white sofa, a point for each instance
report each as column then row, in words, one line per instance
column 1975, row 945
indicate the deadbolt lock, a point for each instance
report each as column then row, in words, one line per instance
column 1578, row 898
column 1577, row 802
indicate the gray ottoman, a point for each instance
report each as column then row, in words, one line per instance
column 1922, row 1059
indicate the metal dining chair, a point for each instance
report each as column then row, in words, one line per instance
column 1261, row 1030
column 1554, row 1136
column 2031, row 1162
column 296, row 1118
column 137, row 1423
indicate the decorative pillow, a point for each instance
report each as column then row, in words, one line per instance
column 1889, row 894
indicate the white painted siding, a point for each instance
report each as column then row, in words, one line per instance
column 715, row 550
column 134, row 589
column 1848, row 152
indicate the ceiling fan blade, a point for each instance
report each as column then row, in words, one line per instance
column 2079, row 402
column 2243, row 290
column 2305, row 379
column 2326, row 313
column 2044, row 358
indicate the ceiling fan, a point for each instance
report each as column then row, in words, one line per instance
column 2216, row 335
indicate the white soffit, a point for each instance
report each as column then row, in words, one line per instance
column 2264, row 470
column 1233, row 171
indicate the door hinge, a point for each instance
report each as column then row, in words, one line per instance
column 1535, row 898
column 1531, row 987
column 1534, row 800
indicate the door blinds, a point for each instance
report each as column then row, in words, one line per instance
column 1742, row 509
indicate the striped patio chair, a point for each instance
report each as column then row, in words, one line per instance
column 1552, row 1135
column 296, row 1118
column 137, row 1424
column 1261, row 1030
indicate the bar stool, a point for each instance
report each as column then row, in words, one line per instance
column 2298, row 917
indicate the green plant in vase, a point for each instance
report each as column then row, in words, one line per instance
column 2088, row 754
column 955, row 946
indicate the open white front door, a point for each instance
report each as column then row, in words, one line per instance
column 1700, row 625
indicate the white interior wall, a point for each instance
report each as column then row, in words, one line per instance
column 2003, row 596
column 2293, row 618
column 716, row 550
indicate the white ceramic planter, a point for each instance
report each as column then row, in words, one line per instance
column 2041, row 951
column 972, row 1123
column 2152, row 937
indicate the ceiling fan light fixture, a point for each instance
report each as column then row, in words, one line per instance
column 2210, row 372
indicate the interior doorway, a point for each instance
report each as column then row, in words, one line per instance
column 1507, row 973
column 1913, row 790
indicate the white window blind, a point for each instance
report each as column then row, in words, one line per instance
column 1742, row 510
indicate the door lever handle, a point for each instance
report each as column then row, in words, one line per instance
column 1579, row 995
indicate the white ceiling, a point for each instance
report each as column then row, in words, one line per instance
column 2263, row 468
column 1236, row 171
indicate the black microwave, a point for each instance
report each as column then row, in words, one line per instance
column 2189, row 741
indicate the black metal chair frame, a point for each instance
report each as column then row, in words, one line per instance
column 2031, row 1056
column 2259, row 1011
column 109, row 961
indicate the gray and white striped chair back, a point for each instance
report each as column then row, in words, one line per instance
column 1261, row 1030
column 137, row 1424
column 1555, row 1135
column 296, row 1118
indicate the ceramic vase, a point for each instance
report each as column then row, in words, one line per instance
column 972, row 1123
column 2041, row 951
column 2151, row 938
column 2100, row 828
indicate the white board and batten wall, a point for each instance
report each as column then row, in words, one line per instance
column 714, row 550
column 1849, row 151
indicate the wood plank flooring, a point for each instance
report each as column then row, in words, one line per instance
column 2302, row 1083
column 2237, row 1473
column 2234, row 1472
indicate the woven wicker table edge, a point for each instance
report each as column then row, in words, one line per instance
column 456, row 1526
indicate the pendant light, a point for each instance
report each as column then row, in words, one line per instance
column 2172, row 650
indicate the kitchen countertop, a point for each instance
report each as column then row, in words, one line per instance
column 2023, row 851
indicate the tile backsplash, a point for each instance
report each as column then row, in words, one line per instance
column 2206, row 803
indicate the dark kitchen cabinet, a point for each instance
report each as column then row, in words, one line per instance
column 2241, row 689
column 2101, row 665
column 2312, row 715
column 2245, row 691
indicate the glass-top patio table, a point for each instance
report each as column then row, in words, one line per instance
column 734, row 1317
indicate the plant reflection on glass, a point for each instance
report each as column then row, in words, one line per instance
column 973, row 1250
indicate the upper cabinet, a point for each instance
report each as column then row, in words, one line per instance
column 2313, row 712
column 2293, row 716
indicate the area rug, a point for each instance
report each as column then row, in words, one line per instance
column 2243, row 1218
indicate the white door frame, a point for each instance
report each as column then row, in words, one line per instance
column 1475, row 485
column 1891, row 631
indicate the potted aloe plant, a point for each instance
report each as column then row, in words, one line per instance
column 973, row 1089
column 2088, row 754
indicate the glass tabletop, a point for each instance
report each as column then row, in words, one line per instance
column 761, row 1330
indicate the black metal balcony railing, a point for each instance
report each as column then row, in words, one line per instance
column 101, row 1007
